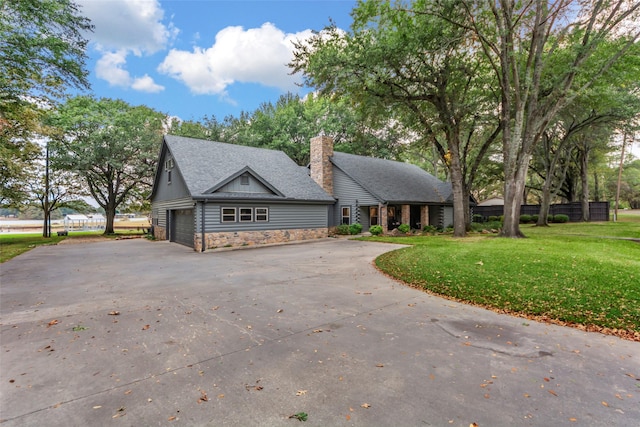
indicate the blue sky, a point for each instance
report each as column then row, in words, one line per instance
column 191, row 58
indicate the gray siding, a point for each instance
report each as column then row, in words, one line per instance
column 166, row 191
column 281, row 217
column 236, row 186
column 350, row 193
column 448, row 216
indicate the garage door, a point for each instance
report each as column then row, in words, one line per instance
column 183, row 227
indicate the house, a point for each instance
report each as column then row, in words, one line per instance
column 211, row 194
column 373, row 191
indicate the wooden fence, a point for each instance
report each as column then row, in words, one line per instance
column 598, row 211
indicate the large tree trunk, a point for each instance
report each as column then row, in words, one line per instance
column 459, row 217
column 110, row 212
column 545, row 203
column 513, row 190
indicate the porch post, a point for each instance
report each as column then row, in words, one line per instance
column 383, row 218
column 406, row 215
column 424, row 215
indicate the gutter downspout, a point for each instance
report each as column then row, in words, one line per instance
column 204, row 208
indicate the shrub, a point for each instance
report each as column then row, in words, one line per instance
column 477, row 218
column 355, row 228
column 375, row 230
column 493, row 218
column 525, row 219
column 429, row 228
column 342, row 229
column 404, row 228
column 561, row 218
column 534, row 218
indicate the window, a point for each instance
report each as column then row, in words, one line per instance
column 168, row 177
column 346, row 215
column 373, row 215
column 168, row 164
column 228, row 214
column 246, row 214
column 262, row 214
column 243, row 214
column 244, row 179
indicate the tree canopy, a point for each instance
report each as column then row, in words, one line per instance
column 42, row 53
column 112, row 145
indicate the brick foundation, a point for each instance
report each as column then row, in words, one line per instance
column 249, row 238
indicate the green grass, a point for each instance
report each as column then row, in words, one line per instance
column 12, row 245
column 566, row 273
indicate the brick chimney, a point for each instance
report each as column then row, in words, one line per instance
column 321, row 168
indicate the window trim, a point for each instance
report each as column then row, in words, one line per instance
column 265, row 214
column 223, row 214
column 342, row 215
column 377, row 215
column 240, row 214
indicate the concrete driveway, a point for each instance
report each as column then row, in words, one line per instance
column 139, row 333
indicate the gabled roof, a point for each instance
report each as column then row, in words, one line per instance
column 393, row 182
column 207, row 165
column 245, row 170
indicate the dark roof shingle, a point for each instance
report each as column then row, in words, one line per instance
column 393, row 182
column 205, row 164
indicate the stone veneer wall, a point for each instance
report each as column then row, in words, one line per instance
column 248, row 238
column 160, row 233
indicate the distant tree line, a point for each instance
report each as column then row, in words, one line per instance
column 531, row 101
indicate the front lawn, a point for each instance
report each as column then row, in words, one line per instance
column 566, row 273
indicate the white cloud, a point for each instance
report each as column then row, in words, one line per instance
column 124, row 27
column 257, row 55
column 109, row 68
column 134, row 25
column 146, row 84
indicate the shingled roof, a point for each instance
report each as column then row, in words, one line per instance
column 393, row 182
column 206, row 165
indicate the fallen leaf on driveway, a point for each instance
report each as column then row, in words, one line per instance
column 203, row 397
column 145, row 327
column 301, row 392
column 114, row 313
column 379, row 365
column 366, row 405
column 53, row 322
column 553, row 392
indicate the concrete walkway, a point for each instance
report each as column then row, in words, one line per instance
column 141, row 333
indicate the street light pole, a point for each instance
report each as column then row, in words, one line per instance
column 46, row 232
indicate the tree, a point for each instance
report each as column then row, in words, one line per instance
column 543, row 56
column 290, row 123
column 42, row 52
column 112, row 145
column 51, row 190
column 400, row 64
